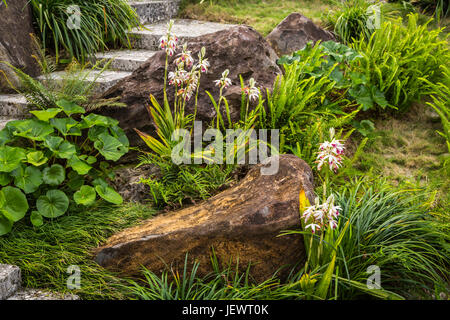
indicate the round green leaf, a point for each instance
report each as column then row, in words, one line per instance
column 36, row 219
column 28, row 179
column 85, row 196
column 14, row 204
column 78, row 165
column 66, row 150
column 54, row 175
column 5, row 179
column 110, row 147
column 54, row 204
column 109, row 194
column 53, row 142
column 33, row 129
column 75, row 180
column 63, row 124
column 98, row 120
column 10, row 158
column 5, row 225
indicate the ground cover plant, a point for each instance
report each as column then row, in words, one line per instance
column 45, row 253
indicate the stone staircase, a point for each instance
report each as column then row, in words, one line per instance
column 10, row 287
column 154, row 15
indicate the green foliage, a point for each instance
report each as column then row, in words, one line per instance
column 353, row 19
column 395, row 230
column 77, row 85
column 398, row 59
column 176, row 185
column 440, row 93
column 102, row 22
column 42, row 156
column 318, row 91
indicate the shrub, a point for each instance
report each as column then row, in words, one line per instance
column 319, row 90
column 398, row 59
column 44, row 158
column 440, row 93
column 102, row 22
column 176, row 185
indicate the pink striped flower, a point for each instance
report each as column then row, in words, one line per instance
column 330, row 153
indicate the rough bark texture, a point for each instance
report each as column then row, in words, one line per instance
column 241, row 222
column 240, row 49
column 294, row 32
column 16, row 46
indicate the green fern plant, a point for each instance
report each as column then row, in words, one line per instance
column 440, row 93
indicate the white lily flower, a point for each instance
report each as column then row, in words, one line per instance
column 224, row 82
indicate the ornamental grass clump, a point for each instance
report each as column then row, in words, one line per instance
column 401, row 60
column 81, row 28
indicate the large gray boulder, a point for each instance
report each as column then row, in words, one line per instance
column 243, row 222
column 16, row 44
column 240, row 49
column 294, row 32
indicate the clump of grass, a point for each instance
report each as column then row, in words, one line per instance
column 223, row 283
column 45, row 253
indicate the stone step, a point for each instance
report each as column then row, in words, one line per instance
column 10, row 280
column 123, row 60
column 10, row 287
column 148, row 36
column 104, row 81
column 35, row 294
column 156, row 10
column 13, row 105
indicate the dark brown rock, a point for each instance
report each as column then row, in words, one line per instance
column 240, row 49
column 294, row 32
column 242, row 223
column 16, row 44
